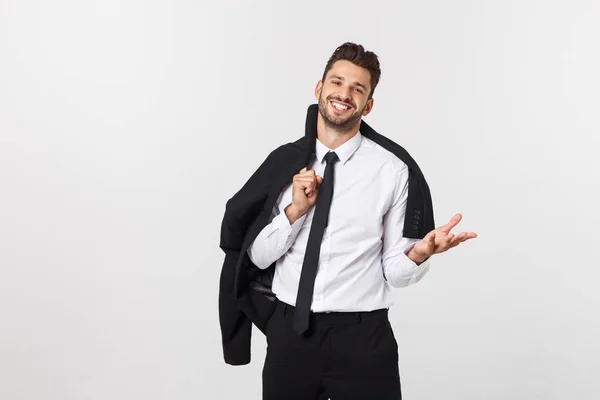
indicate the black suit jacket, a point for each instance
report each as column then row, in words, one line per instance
column 245, row 295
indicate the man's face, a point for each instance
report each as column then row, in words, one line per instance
column 343, row 96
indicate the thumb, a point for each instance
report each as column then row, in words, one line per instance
column 431, row 239
column 303, row 170
column 319, row 179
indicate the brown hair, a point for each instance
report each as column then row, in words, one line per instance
column 356, row 54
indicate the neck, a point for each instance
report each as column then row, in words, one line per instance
column 331, row 137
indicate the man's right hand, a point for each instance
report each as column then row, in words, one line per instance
column 305, row 190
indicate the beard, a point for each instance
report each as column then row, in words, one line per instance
column 339, row 123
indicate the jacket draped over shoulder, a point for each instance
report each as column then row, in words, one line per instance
column 245, row 295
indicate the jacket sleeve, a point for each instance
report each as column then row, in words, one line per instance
column 236, row 327
column 240, row 211
column 245, row 205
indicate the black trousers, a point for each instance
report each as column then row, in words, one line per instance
column 343, row 356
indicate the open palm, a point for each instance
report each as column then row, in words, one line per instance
column 440, row 239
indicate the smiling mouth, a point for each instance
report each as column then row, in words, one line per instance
column 339, row 107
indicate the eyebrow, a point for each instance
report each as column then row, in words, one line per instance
column 341, row 78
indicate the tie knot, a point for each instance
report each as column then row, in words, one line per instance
column 331, row 157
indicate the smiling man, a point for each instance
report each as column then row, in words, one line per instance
column 342, row 114
column 338, row 236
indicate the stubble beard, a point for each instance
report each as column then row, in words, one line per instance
column 338, row 124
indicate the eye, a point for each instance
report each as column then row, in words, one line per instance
column 359, row 90
column 335, row 82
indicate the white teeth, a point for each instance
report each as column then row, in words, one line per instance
column 339, row 106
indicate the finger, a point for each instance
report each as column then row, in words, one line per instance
column 438, row 236
column 311, row 184
column 450, row 237
column 309, row 172
column 469, row 236
column 305, row 178
column 310, row 190
column 431, row 241
column 453, row 222
column 457, row 240
column 463, row 237
column 305, row 182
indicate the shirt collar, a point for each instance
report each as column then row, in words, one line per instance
column 344, row 152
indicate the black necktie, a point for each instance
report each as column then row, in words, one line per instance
column 313, row 247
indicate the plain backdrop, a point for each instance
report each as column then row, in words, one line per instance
column 126, row 125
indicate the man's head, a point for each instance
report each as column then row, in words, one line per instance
column 345, row 92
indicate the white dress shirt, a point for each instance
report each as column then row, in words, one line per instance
column 363, row 253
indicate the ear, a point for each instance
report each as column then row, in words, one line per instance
column 318, row 89
column 368, row 107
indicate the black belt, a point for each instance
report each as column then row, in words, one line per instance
column 332, row 317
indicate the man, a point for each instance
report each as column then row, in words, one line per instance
column 336, row 240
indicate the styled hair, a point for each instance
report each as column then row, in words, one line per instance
column 356, row 54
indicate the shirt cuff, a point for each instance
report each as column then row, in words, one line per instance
column 282, row 222
column 417, row 268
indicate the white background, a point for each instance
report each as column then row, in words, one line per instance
column 126, row 125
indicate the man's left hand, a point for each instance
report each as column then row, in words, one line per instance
column 439, row 240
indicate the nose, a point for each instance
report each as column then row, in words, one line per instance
column 347, row 93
